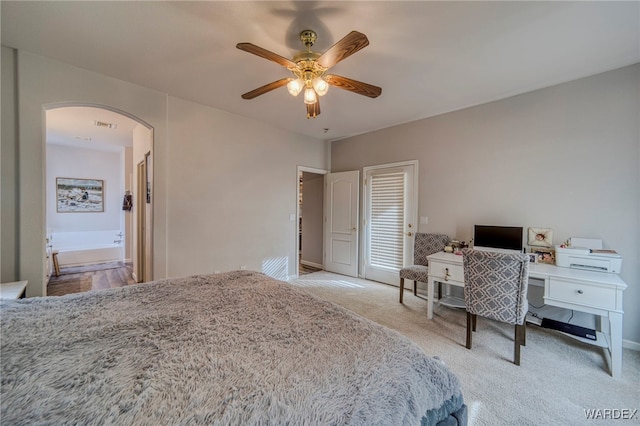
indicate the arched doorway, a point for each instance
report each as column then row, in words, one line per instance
column 102, row 144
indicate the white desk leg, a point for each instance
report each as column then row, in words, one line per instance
column 615, row 325
column 430, row 298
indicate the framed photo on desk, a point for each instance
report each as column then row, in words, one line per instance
column 544, row 255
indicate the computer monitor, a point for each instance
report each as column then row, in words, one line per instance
column 498, row 237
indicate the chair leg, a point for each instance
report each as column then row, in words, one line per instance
column 474, row 322
column 524, row 333
column 401, row 288
column 56, row 265
column 469, row 326
column 415, row 288
column 518, row 341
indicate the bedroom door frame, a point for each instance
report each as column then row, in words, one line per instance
column 299, row 171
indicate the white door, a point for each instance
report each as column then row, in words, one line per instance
column 390, row 220
column 341, row 223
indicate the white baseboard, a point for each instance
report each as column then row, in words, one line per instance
column 630, row 344
column 312, row 264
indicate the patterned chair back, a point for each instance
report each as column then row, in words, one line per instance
column 495, row 285
column 427, row 244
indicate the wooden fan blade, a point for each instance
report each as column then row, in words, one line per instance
column 346, row 47
column 354, row 86
column 313, row 110
column 264, row 53
column 266, row 88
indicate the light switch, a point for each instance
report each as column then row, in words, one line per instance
column 292, row 217
column 424, row 220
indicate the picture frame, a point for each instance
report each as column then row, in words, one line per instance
column 540, row 237
column 533, row 257
column 544, row 255
column 77, row 195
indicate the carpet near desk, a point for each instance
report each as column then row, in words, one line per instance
column 559, row 377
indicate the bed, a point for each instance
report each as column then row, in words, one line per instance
column 223, row 349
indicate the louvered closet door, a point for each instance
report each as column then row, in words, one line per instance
column 390, row 221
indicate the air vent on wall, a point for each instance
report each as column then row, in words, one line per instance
column 105, row 124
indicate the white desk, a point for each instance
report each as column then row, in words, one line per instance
column 13, row 290
column 597, row 293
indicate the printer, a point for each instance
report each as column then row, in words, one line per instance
column 587, row 254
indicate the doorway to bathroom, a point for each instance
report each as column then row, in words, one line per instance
column 90, row 187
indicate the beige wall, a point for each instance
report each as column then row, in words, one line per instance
column 41, row 83
column 232, row 188
column 248, row 171
column 9, row 269
column 565, row 157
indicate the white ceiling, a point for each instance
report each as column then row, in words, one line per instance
column 76, row 127
column 428, row 57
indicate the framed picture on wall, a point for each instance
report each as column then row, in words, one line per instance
column 540, row 237
column 74, row 195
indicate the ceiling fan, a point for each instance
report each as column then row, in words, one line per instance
column 309, row 70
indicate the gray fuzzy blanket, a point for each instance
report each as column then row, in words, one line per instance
column 233, row 348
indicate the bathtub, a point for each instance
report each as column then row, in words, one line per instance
column 88, row 247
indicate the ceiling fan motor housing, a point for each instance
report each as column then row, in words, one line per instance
column 308, row 37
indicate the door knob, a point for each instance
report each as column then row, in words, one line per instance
column 409, row 234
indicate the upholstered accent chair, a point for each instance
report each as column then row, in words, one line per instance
column 495, row 287
column 423, row 245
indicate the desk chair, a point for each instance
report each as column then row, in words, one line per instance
column 495, row 287
column 423, row 245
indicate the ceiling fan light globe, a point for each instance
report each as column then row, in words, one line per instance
column 295, row 86
column 320, row 86
column 310, row 97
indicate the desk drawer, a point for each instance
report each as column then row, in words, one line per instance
column 446, row 271
column 582, row 294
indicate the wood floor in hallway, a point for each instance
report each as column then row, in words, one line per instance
column 90, row 277
column 104, row 275
column 306, row 269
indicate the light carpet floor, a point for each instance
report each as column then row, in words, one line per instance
column 559, row 378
